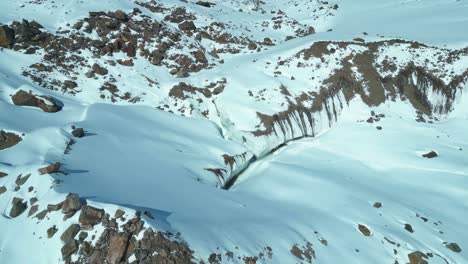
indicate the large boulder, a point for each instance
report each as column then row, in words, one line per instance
column 90, row 215
column 46, row 103
column 69, row 234
column 117, row 247
column 7, row 37
column 71, row 204
column 69, row 248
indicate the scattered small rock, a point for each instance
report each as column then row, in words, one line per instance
column 99, row 70
column 417, row 258
column 78, row 132
column 430, row 155
column 364, row 230
column 377, row 204
column 453, row 246
column 409, row 228
column 51, row 231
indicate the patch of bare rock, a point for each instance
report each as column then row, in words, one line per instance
column 8, row 140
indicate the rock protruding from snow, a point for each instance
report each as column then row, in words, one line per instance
column 46, row 103
column 78, row 132
column 7, row 36
column 18, row 207
column 90, row 215
column 53, row 168
column 430, row 155
column 8, row 140
column 71, row 204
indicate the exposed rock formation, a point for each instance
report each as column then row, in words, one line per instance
column 46, row 103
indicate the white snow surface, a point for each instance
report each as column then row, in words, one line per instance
column 137, row 157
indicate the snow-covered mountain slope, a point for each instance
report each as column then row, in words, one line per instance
column 230, row 132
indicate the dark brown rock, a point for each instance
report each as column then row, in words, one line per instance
column 430, row 155
column 22, row 179
column 377, row 204
column 7, row 37
column 125, row 62
column 454, row 247
column 119, row 213
column 90, row 215
column 99, row 70
column 69, row 249
column 205, row 3
column 42, row 214
column 33, row 210
column 83, row 235
column 187, row 26
column 252, row 46
column 8, row 140
column 69, row 234
column 156, row 57
column 53, row 168
column 117, row 247
column 200, row 56
column 18, row 207
column 131, row 50
column 120, row 15
column 409, row 228
column 78, row 132
column 51, row 231
column 46, row 103
column 70, row 84
column 364, row 230
column 3, row 174
column 3, row 189
column 72, row 203
column 54, row 207
column 417, row 258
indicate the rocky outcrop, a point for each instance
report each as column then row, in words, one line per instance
column 8, row 140
column 45, row 103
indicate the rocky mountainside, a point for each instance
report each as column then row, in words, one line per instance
column 233, row 131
